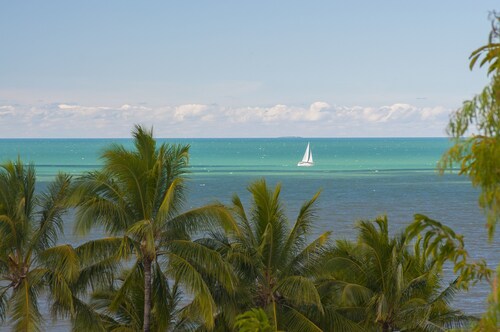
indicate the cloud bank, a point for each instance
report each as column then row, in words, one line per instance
column 62, row 120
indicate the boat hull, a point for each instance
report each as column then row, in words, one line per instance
column 305, row 164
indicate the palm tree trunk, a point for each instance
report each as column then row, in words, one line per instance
column 147, row 294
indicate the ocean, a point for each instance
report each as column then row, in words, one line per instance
column 359, row 179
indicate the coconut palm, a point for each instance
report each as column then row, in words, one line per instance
column 137, row 200
column 166, row 315
column 276, row 265
column 384, row 285
column 30, row 261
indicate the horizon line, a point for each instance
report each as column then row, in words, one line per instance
column 262, row 137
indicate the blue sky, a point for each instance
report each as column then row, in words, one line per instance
column 237, row 68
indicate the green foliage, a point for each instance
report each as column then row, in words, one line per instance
column 254, row 320
column 491, row 318
column 478, row 156
column 30, row 261
column 393, row 283
column 439, row 243
column 121, row 307
column 137, row 199
column 277, row 267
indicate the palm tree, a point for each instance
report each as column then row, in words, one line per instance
column 387, row 287
column 30, row 261
column 276, row 266
column 166, row 315
column 137, row 199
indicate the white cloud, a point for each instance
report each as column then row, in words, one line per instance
column 6, row 110
column 188, row 111
column 434, row 113
column 66, row 107
column 317, row 111
column 319, row 119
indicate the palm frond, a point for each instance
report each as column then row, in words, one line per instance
column 268, row 210
column 203, row 304
column 296, row 238
column 295, row 321
column 144, row 142
column 347, row 261
column 99, row 201
column 239, row 211
column 132, row 276
column 127, row 315
column 3, row 302
column 24, row 312
column 168, row 201
column 299, row 291
column 63, row 260
column 103, row 248
column 8, row 231
column 86, row 318
column 206, row 218
column 333, row 320
column 96, row 275
column 266, row 247
column 52, row 208
column 311, row 260
column 446, row 295
column 354, row 294
column 176, row 159
column 205, row 259
column 143, row 231
column 61, row 293
column 165, row 301
column 371, row 235
column 451, row 319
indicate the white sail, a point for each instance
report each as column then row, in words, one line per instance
column 307, row 160
column 306, row 154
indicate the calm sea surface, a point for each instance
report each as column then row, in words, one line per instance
column 359, row 179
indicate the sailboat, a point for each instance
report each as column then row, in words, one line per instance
column 307, row 160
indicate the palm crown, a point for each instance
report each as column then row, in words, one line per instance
column 385, row 286
column 275, row 264
column 30, row 261
column 137, row 199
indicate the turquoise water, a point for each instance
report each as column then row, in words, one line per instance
column 242, row 155
column 359, row 179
